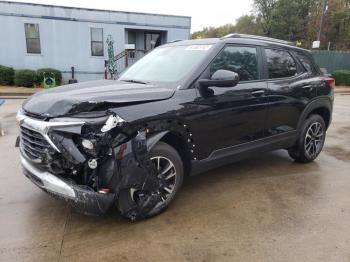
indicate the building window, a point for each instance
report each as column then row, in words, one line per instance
column 97, row 42
column 32, row 38
column 132, row 37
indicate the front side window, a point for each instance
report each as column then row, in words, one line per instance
column 32, row 38
column 97, row 42
column 280, row 63
column 239, row 59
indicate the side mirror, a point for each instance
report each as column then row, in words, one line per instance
column 221, row 78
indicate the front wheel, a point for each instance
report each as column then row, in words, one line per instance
column 311, row 140
column 170, row 173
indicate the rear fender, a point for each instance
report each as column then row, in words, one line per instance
column 323, row 102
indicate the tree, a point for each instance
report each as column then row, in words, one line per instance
column 337, row 25
column 292, row 20
column 295, row 20
column 208, row 32
column 112, row 63
column 285, row 24
column 248, row 24
column 264, row 9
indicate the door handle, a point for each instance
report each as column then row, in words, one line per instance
column 306, row 86
column 258, row 92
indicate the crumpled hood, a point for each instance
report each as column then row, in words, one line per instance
column 93, row 95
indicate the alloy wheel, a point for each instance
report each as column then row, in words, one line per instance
column 166, row 173
column 314, row 139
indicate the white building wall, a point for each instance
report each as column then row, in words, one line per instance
column 66, row 43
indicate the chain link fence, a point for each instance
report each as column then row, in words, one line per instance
column 332, row 60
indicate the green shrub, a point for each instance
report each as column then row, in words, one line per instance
column 57, row 74
column 342, row 77
column 26, row 78
column 7, row 75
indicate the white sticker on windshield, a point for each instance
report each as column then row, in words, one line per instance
column 198, row 47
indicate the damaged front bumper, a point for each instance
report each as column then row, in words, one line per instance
column 84, row 199
column 65, row 171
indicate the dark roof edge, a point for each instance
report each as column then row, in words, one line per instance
column 257, row 37
column 92, row 9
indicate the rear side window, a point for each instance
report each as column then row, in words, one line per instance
column 280, row 63
column 239, row 59
column 307, row 63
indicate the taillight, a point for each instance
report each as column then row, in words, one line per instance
column 330, row 81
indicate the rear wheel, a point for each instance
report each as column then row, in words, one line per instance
column 170, row 172
column 311, row 140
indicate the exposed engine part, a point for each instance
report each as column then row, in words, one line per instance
column 112, row 122
column 92, row 163
column 87, row 144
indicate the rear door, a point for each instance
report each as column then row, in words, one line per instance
column 289, row 90
column 315, row 79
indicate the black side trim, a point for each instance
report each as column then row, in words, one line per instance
column 235, row 153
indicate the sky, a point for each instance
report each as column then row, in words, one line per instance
column 203, row 13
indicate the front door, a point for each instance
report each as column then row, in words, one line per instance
column 233, row 115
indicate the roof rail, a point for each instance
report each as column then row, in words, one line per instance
column 256, row 37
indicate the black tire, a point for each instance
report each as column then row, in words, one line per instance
column 309, row 145
column 127, row 203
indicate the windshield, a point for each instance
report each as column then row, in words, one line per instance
column 166, row 64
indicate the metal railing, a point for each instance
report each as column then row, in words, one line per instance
column 125, row 59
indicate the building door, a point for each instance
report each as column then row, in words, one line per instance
column 152, row 40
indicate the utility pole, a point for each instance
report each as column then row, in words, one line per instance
column 324, row 9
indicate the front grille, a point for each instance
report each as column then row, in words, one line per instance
column 34, row 145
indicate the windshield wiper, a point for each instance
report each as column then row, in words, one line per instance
column 134, row 81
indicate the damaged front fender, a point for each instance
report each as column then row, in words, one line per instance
column 133, row 165
column 135, row 171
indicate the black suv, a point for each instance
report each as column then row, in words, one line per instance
column 184, row 108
